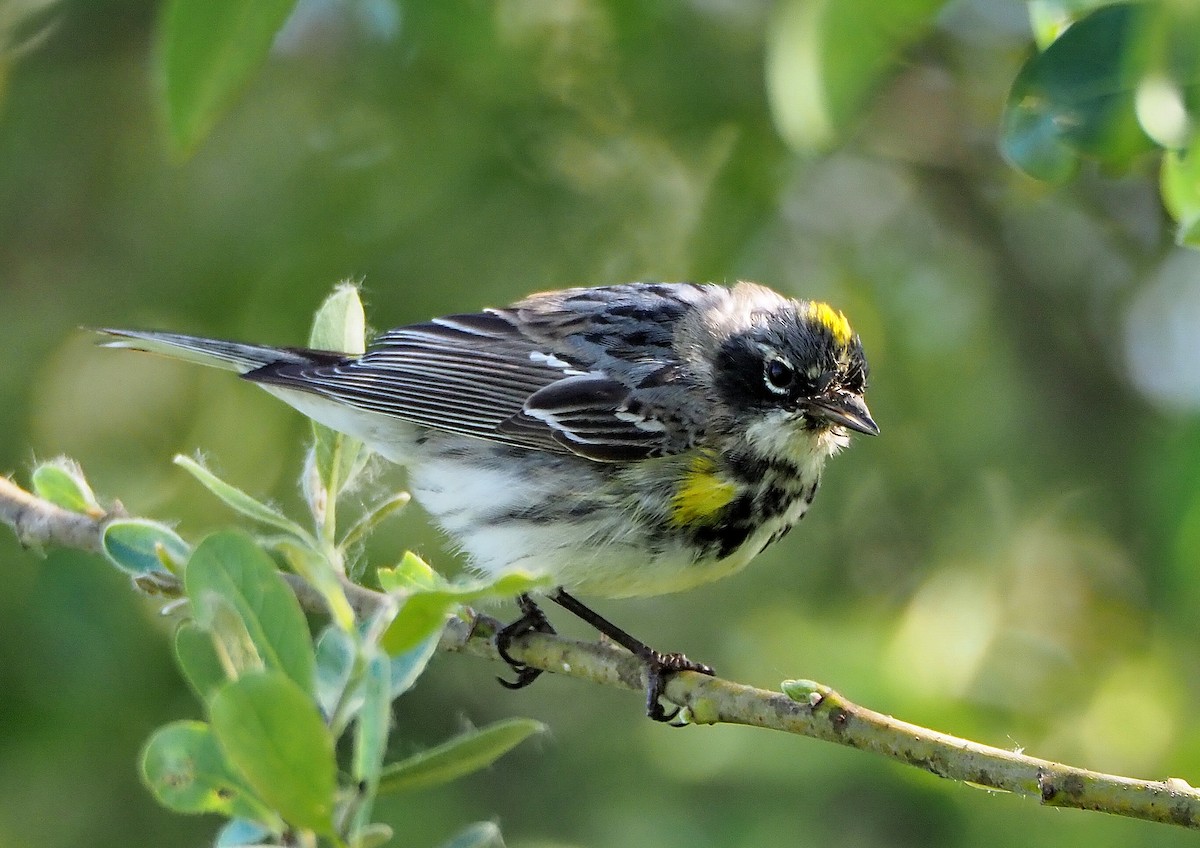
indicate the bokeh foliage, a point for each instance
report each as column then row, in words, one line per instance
column 1014, row 559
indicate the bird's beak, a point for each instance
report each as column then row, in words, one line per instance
column 848, row 410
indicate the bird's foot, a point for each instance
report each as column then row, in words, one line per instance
column 532, row 620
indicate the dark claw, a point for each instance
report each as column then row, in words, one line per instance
column 532, row 620
column 659, row 669
column 525, row 676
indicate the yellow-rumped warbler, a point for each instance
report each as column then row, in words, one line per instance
column 623, row 440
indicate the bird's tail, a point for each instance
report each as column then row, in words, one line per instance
column 230, row 356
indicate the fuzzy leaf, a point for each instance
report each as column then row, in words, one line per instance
column 462, row 755
column 339, row 325
column 242, row 502
column 62, row 483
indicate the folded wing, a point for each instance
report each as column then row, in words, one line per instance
column 478, row 375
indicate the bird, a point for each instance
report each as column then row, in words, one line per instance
column 622, row 440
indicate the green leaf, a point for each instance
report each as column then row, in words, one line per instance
column 1180, row 184
column 478, row 835
column 271, row 731
column 234, row 646
column 241, row 832
column 209, row 49
column 62, row 483
column 230, row 567
column 339, row 325
column 422, row 617
column 335, row 662
column 198, row 660
column 140, row 546
column 318, row 571
column 1077, row 98
column 408, row 665
column 371, row 733
column 424, row 612
column 185, row 769
column 243, row 503
column 412, row 574
column 374, row 718
column 372, row 836
column 465, row 753
column 373, row 517
column 825, row 58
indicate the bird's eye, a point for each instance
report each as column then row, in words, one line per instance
column 779, row 375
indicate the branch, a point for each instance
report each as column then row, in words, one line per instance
column 39, row 522
column 808, row 709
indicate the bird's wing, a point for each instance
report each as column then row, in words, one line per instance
column 479, row 375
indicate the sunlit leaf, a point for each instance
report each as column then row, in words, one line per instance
column 209, row 49
column 424, row 612
column 318, row 571
column 229, row 566
column 236, row 650
column 462, row 755
column 412, row 574
column 62, row 483
column 272, row 732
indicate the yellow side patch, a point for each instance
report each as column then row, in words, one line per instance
column 832, row 320
column 702, row 494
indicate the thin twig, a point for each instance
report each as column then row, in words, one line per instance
column 810, row 710
column 39, row 522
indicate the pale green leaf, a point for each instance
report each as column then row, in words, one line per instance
column 478, row 835
column 466, row 753
column 61, row 482
column 242, row 502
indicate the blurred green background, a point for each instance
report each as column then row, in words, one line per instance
column 1014, row 560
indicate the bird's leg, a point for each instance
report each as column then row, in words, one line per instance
column 659, row 666
column 532, row 620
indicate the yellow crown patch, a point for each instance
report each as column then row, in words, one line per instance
column 832, row 320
